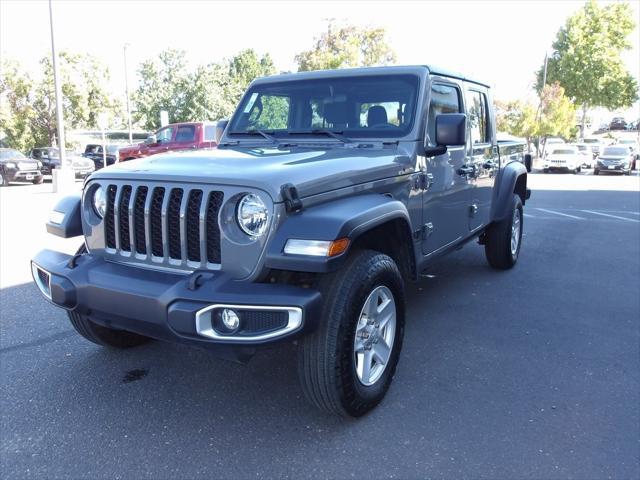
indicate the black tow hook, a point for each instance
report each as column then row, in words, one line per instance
column 197, row 278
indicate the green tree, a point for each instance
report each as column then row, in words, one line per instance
column 517, row 118
column 84, row 96
column 347, row 46
column 163, row 85
column 557, row 115
column 16, row 112
column 210, row 92
column 586, row 58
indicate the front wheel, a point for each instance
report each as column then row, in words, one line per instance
column 596, row 172
column 504, row 238
column 347, row 364
column 38, row 180
column 103, row 336
column 3, row 180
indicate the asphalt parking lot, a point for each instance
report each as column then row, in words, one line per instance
column 530, row 373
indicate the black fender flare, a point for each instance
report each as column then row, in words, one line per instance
column 506, row 186
column 67, row 222
column 344, row 218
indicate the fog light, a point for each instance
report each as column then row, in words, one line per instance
column 230, row 319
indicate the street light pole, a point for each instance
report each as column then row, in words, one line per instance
column 126, row 88
column 58, row 88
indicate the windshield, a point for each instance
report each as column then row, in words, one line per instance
column 591, row 140
column 563, row 151
column 615, row 151
column 627, row 142
column 380, row 106
column 582, row 148
column 11, row 154
column 55, row 153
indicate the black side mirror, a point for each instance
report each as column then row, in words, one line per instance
column 151, row 140
column 220, row 127
column 451, row 129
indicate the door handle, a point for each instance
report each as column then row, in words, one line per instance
column 490, row 164
column 466, row 170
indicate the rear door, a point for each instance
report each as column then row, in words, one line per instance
column 482, row 155
column 446, row 200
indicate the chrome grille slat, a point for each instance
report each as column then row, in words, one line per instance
column 116, row 217
column 132, row 225
column 203, row 227
column 164, row 225
column 163, row 219
column 183, row 227
column 147, row 221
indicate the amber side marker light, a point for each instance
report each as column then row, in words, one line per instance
column 316, row 248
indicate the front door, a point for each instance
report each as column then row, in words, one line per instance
column 446, row 199
column 482, row 155
column 164, row 138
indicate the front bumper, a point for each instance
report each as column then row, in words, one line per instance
column 603, row 167
column 171, row 306
column 15, row 175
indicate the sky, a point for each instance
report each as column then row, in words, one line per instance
column 499, row 42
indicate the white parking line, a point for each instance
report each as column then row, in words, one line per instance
column 612, row 216
column 561, row 214
column 528, row 215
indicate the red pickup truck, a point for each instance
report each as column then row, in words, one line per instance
column 176, row 136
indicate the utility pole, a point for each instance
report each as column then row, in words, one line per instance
column 126, row 88
column 61, row 178
column 544, row 82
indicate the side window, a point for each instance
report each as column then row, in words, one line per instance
column 477, row 114
column 165, row 135
column 186, row 133
column 36, row 154
column 271, row 112
column 444, row 99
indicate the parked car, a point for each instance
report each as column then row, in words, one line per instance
column 615, row 159
column 94, row 152
column 585, row 151
column 595, row 144
column 617, row 123
column 329, row 190
column 15, row 166
column 635, row 149
column 563, row 157
column 177, row 136
column 50, row 158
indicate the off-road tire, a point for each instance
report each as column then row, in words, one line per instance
column 106, row 337
column 326, row 364
column 497, row 247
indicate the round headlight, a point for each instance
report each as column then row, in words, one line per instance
column 100, row 201
column 252, row 215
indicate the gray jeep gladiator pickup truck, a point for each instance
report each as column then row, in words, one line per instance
column 327, row 192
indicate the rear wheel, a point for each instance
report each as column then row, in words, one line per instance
column 104, row 336
column 503, row 238
column 347, row 364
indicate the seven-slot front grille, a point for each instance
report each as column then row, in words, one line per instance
column 169, row 225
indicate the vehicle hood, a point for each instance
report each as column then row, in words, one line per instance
column 613, row 157
column 312, row 170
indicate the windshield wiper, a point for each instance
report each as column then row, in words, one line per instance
column 256, row 131
column 322, row 131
